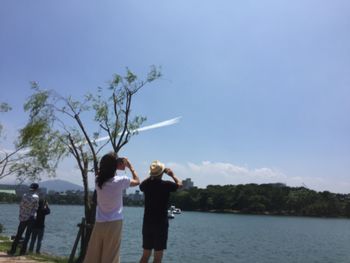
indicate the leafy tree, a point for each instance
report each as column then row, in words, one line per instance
column 8, row 198
column 347, row 209
column 60, row 126
column 12, row 160
column 299, row 198
column 257, row 203
column 264, row 198
column 4, row 156
column 4, row 107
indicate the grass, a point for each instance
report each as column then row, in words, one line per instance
column 5, row 244
column 47, row 258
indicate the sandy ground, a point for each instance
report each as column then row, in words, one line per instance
column 21, row 259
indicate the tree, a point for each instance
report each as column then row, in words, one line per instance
column 60, row 126
column 5, row 157
column 12, row 161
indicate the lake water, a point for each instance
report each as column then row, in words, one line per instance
column 206, row 237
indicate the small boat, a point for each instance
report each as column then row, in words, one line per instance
column 177, row 211
column 171, row 214
column 172, row 211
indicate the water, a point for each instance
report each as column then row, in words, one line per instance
column 206, row 237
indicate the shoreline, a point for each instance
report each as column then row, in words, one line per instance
column 227, row 211
column 5, row 244
column 265, row 213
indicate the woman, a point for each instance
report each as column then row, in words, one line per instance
column 39, row 226
column 104, row 244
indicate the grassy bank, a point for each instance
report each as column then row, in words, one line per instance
column 5, row 244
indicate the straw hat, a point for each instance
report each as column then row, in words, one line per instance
column 156, row 168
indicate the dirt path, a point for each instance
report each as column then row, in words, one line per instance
column 10, row 259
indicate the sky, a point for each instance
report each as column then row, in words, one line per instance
column 262, row 87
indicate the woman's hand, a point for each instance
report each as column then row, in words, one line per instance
column 127, row 162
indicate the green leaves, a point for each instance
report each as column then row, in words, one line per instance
column 36, row 103
column 154, row 74
column 5, row 107
column 130, row 77
column 58, row 126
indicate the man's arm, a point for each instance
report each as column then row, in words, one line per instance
column 135, row 179
column 143, row 183
column 177, row 181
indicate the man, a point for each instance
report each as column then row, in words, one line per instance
column 155, row 219
column 27, row 213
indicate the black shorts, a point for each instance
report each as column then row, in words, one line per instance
column 155, row 236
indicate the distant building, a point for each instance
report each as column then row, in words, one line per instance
column 75, row 192
column 52, row 192
column 20, row 189
column 187, row 184
column 136, row 196
column 8, row 191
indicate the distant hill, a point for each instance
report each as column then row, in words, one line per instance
column 60, row 185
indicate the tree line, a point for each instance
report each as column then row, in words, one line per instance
column 277, row 199
column 58, row 199
column 69, row 198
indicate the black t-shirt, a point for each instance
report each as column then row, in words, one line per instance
column 157, row 194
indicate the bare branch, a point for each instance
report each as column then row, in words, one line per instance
column 75, row 151
column 126, row 120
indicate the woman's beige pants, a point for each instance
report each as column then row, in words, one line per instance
column 104, row 244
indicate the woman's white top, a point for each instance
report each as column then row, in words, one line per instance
column 110, row 199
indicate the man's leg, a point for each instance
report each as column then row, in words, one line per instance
column 160, row 242
column 145, row 256
column 158, row 255
column 27, row 236
column 21, row 227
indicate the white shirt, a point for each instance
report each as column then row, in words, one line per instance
column 110, row 199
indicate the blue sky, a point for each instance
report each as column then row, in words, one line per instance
column 262, row 86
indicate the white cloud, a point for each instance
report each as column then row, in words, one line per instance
column 208, row 172
column 219, row 173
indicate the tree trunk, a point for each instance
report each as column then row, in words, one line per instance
column 89, row 214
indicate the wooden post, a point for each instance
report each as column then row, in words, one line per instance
column 79, row 236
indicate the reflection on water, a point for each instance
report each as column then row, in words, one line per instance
column 205, row 237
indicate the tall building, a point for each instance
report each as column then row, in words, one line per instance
column 187, row 184
column 137, row 196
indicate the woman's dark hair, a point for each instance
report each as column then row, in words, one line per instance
column 108, row 166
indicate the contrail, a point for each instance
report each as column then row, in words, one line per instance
column 149, row 127
column 146, row 128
